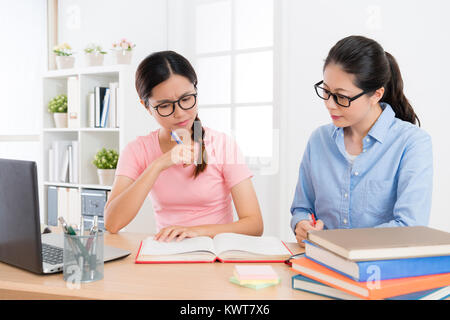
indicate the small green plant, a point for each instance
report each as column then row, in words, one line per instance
column 58, row 104
column 94, row 48
column 106, row 159
column 63, row 50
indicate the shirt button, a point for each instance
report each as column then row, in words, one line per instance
column 345, row 221
column 368, row 140
column 364, row 150
column 346, row 195
column 356, row 173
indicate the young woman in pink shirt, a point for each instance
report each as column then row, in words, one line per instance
column 190, row 184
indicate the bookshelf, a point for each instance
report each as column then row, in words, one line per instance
column 132, row 118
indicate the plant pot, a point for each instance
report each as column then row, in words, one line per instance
column 94, row 59
column 65, row 62
column 123, row 56
column 60, row 119
column 106, row 176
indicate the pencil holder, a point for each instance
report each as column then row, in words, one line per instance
column 83, row 258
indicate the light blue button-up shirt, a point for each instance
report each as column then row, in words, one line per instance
column 389, row 184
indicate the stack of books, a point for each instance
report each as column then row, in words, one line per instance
column 375, row 263
column 254, row 276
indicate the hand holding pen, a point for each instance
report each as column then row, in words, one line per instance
column 303, row 226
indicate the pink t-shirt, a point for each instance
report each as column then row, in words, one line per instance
column 178, row 198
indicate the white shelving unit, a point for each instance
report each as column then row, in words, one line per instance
column 133, row 121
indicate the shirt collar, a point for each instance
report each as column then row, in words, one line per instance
column 381, row 126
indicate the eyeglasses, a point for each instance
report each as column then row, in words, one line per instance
column 340, row 99
column 186, row 102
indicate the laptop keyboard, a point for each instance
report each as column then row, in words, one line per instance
column 51, row 254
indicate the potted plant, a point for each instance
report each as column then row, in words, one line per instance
column 106, row 163
column 94, row 55
column 123, row 51
column 64, row 58
column 58, row 106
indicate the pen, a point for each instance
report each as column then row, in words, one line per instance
column 312, row 217
column 176, row 137
column 178, row 141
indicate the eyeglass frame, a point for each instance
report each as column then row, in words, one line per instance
column 335, row 98
column 177, row 102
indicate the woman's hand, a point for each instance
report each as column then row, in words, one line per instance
column 169, row 233
column 302, row 228
column 180, row 154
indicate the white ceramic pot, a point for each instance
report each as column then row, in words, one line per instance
column 123, row 56
column 106, row 176
column 65, row 62
column 94, row 59
column 60, row 119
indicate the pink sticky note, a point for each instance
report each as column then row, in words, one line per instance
column 251, row 272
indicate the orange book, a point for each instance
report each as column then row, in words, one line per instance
column 372, row 290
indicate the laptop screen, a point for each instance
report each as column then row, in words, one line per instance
column 20, row 238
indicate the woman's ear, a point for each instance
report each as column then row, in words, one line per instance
column 377, row 95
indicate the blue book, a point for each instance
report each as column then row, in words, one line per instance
column 300, row 282
column 362, row 271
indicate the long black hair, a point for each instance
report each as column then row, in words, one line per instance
column 373, row 68
column 158, row 67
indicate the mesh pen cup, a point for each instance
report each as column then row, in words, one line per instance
column 83, row 258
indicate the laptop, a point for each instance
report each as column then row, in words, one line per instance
column 21, row 242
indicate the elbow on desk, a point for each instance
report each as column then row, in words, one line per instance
column 109, row 225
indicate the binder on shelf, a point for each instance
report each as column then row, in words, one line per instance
column 63, row 208
column 74, row 162
column 112, row 123
column 52, row 203
column 73, row 102
column 106, row 109
column 99, row 98
column 93, row 202
column 91, row 110
column 51, row 165
column 74, row 210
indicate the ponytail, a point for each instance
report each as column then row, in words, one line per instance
column 394, row 95
column 199, row 138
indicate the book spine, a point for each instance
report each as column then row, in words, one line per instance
column 105, row 111
column 403, row 268
column 91, row 109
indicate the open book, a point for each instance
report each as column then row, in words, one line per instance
column 224, row 247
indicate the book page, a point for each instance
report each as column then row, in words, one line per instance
column 270, row 246
column 153, row 247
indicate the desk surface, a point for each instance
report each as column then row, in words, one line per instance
column 123, row 279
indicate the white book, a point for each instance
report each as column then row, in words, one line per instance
column 51, row 159
column 113, row 105
column 64, row 169
column 74, row 206
column 75, row 163
column 59, row 148
column 225, row 247
column 118, row 107
column 70, row 156
column 63, row 208
column 73, row 102
column 91, row 110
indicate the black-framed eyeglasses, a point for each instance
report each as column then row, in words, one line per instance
column 186, row 102
column 340, row 99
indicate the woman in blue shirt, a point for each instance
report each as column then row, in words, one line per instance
column 372, row 166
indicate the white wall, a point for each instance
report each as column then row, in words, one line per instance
column 415, row 32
